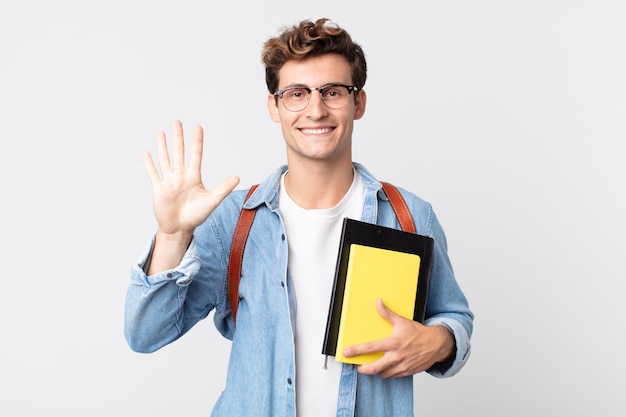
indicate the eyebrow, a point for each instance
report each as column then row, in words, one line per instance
column 306, row 86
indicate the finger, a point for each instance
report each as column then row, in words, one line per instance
column 195, row 159
column 151, row 170
column 226, row 187
column 163, row 154
column 385, row 366
column 376, row 367
column 395, row 371
column 386, row 313
column 365, row 348
column 397, row 368
column 178, row 146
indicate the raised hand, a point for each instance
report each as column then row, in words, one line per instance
column 180, row 200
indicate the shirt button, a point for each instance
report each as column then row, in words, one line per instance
column 169, row 275
column 289, row 381
column 282, row 236
column 282, row 284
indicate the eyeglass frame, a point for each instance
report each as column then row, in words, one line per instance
column 279, row 94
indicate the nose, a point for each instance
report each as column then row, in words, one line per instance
column 316, row 108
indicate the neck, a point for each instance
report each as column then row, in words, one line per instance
column 318, row 187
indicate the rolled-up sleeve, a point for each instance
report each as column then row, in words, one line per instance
column 154, row 312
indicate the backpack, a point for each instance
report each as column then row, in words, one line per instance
column 246, row 217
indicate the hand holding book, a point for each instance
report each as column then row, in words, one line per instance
column 375, row 273
column 409, row 349
column 375, row 262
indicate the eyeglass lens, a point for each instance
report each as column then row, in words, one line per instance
column 333, row 96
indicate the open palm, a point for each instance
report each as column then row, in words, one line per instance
column 180, row 200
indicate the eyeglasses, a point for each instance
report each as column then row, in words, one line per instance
column 334, row 96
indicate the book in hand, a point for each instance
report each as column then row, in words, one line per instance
column 375, row 262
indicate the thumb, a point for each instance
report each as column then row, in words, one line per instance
column 385, row 312
column 226, row 187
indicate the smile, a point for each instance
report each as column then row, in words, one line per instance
column 316, row 131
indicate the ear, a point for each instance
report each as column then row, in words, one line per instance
column 272, row 107
column 361, row 100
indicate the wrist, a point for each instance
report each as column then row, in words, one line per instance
column 180, row 239
column 168, row 251
column 447, row 345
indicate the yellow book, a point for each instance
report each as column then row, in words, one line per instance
column 375, row 273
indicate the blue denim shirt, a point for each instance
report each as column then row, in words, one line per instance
column 261, row 370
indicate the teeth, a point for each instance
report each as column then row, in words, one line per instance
column 315, row 131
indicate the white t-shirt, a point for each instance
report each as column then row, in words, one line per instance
column 313, row 239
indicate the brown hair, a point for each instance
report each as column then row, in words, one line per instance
column 309, row 39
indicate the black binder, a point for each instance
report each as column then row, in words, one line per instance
column 367, row 234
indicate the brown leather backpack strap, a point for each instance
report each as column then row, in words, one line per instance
column 399, row 207
column 242, row 229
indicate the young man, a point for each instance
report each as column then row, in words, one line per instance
column 315, row 76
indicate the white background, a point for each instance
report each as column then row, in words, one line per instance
column 508, row 116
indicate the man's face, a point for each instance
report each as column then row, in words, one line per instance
column 317, row 132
